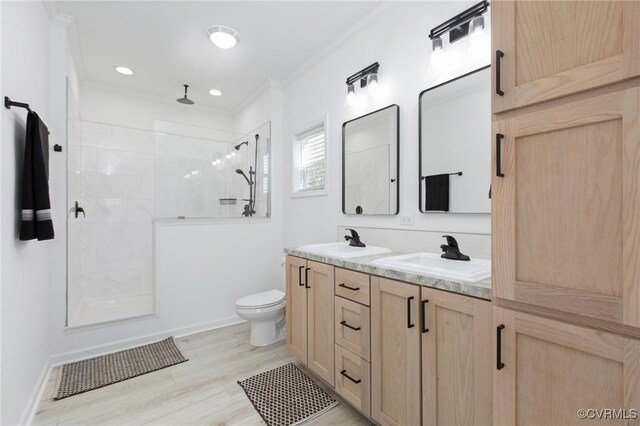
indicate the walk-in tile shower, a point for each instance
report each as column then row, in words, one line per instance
column 121, row 180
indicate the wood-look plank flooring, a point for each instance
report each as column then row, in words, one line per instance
column 202, row 391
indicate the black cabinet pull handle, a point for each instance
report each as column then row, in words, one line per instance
column 499, row 363
column 344, row 323
column 409, row 324
column 423, row 317
column 300, row 268
column 343, row 285
column 499, row 56
column 499, row 137
column 344, row 373
column 306, row 278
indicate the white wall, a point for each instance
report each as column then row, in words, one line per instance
column 397, row 38
column 25, row 285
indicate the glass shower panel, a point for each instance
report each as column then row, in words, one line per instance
column 111, row 198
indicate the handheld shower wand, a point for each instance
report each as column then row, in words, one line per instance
column 240, row 172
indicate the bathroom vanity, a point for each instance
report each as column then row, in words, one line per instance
column 402, row 348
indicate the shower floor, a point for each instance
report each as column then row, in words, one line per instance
column 99, row 311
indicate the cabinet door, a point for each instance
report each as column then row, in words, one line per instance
column 395, row 352
column 321, row 318
column 456, row 359
column 555, row 48
column 296, row 308
column 553, row 369
column 566, row 227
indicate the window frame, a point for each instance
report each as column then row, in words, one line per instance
column 296, row 169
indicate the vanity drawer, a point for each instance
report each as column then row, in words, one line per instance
column 353, row 382
column 352, row 327
column 352, row 285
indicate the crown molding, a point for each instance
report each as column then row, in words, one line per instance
column 267, row 85
column 336, row 43
column 148, row 96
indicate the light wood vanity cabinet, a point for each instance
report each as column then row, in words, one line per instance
column 556, row 48
column 310, row 315
column 457, row 362
column 551, row 369
column 387, row 364
column 395, row 352
column 566, row 229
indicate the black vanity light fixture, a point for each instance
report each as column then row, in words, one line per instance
column 367, row 76
column 468, row 22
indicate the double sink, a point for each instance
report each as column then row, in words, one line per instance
column 428, row 264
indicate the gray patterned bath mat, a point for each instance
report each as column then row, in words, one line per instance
column 94, row 373
column 285, row 396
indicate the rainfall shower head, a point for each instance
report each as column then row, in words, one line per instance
column 240, row 172
column 240, row 145
column 185, row 100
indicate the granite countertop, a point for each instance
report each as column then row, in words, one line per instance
column 480, row 289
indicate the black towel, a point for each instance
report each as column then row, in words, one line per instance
column 36, row 207
column 436, row 193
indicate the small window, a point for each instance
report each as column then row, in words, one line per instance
column 309, row 162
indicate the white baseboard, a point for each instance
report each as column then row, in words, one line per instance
column 98, row 350
column 30, row 409
column 32, row 406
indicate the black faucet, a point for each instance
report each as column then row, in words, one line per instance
column 354, row 239
column 451, row 250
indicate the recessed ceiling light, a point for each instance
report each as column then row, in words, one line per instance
column 223, row 37
column 124, row 70
column 215, row 92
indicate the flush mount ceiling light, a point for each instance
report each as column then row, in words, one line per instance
column 124, row 70
column 223, row 37
column 215, row 92
column 366, row 76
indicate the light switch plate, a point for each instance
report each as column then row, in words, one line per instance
column 406, row 220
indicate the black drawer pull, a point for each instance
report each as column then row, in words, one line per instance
column 306, row 278
column 343, row 285
column 300, row 268
column 344, row 373
column 409, row 324
column 424, row 316
column 499, row 56
column 499, row 137
column 344, row 323
column 499, row 363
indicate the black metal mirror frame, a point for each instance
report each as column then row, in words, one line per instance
column 395, row 179
column 420, row 200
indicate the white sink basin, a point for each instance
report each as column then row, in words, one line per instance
column 433, row 265
column 342, row 250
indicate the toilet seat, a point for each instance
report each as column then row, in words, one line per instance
column 265, row 299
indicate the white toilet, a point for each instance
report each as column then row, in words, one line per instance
column 265, row 311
